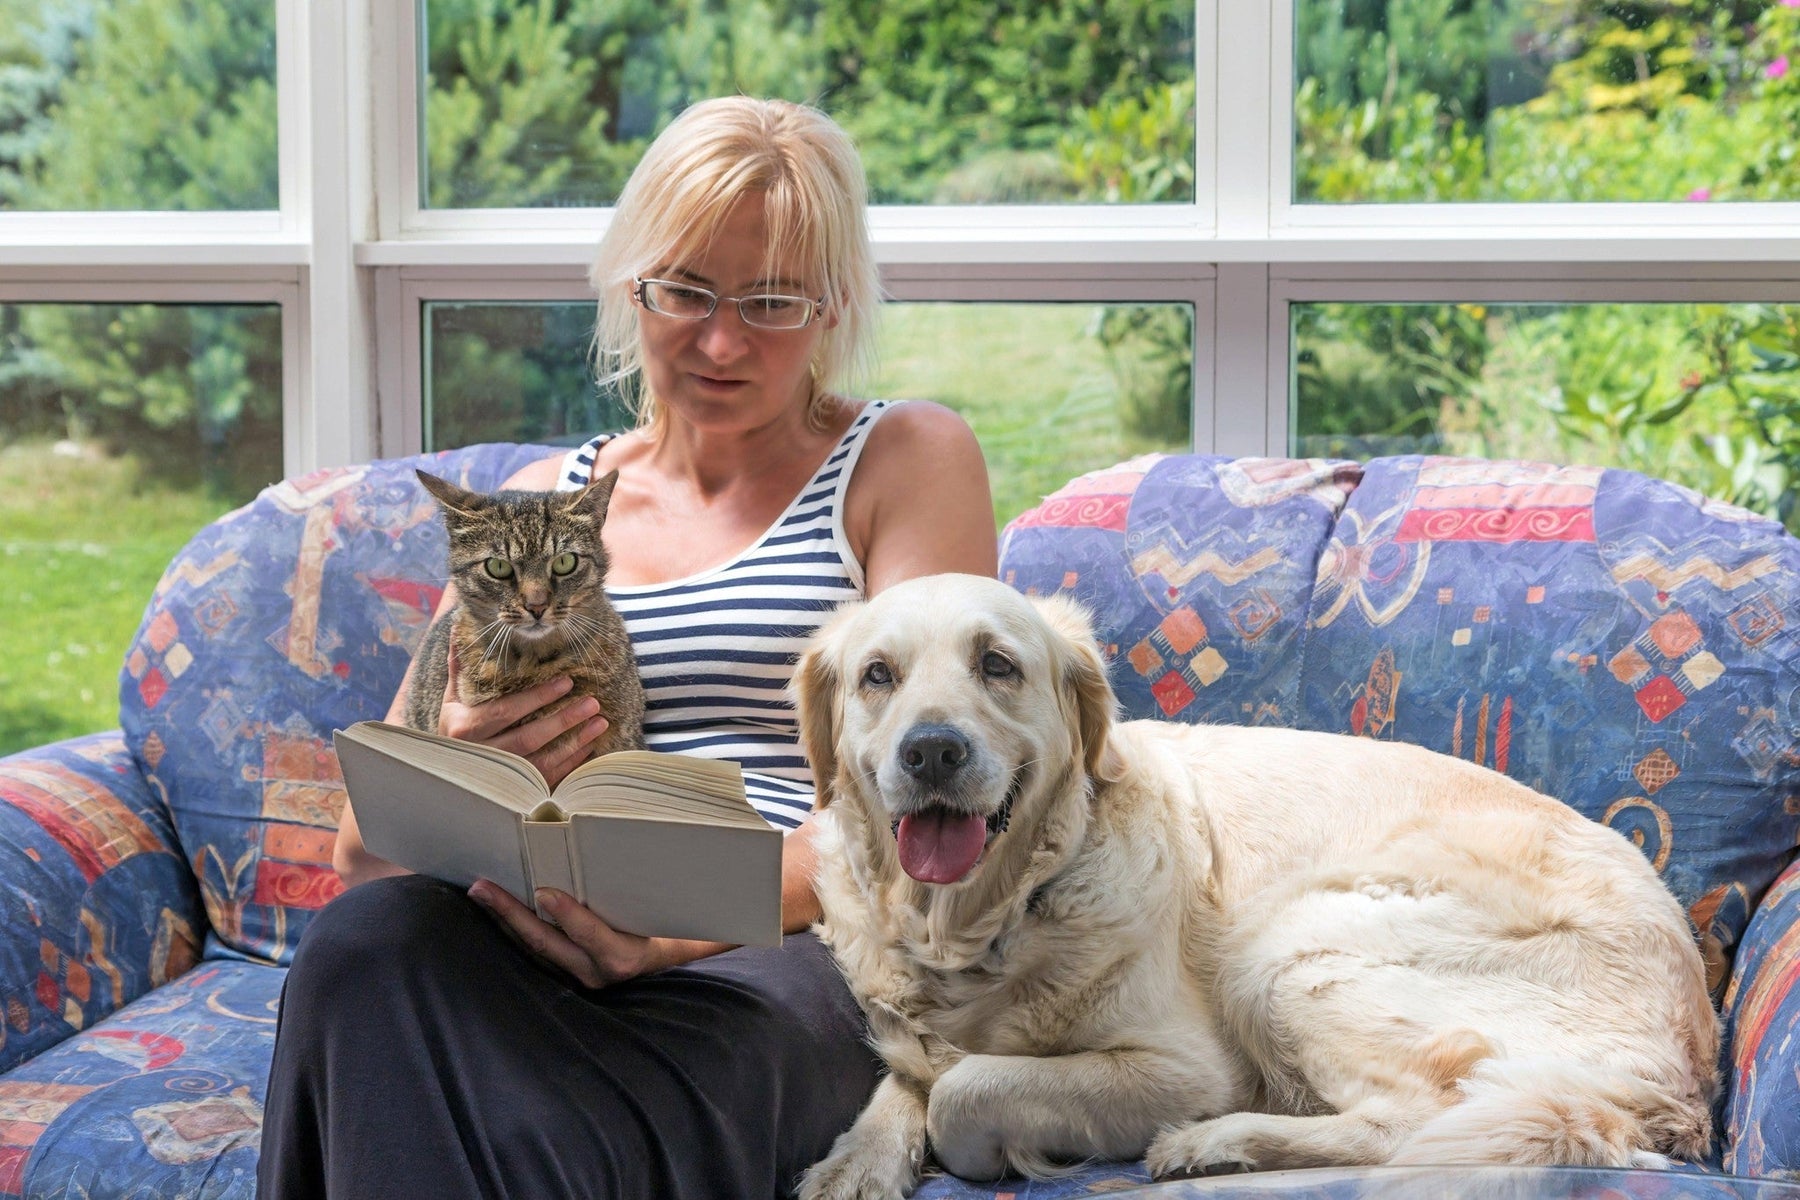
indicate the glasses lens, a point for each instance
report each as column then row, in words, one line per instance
column 677, row 300
column 776, row 312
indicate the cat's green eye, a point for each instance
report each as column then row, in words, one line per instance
column 562, row 564
column 499, row 568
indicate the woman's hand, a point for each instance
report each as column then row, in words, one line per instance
column 581, row 943
column 507, row 723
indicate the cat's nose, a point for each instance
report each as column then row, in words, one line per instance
column 537, row 610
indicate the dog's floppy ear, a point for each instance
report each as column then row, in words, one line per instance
column 1084, row 679
column 817, row 700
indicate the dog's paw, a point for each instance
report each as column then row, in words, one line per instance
column 854, row 1172
column 1204, row 1148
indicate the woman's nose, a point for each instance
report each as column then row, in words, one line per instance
column 723, row 335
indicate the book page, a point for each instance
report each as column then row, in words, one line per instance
column 670, row 786
column 428, row 823
column 679, row 879
column 508, row 778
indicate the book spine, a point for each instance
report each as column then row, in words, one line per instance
column 547, row 855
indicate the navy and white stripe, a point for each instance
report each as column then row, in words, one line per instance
column 717, row 650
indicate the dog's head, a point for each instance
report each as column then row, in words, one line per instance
column 951, row 709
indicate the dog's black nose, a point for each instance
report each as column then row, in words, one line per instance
column 933, row 753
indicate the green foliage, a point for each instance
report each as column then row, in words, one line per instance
column 137, row 104
column 1751, row 371
column 1150, row 351
column 513, row 373
column 926, row 86
column 1385, row 378
column 1134, row 149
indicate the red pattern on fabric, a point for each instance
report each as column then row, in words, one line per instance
column 159, row 1050
column 1660, row 697
column 1066, row 512
column 1497, row 525
column 1172, row 693
column 295, row 885
column 12, row 1169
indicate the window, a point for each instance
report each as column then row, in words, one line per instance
column 1545, row 100
column 534, row 105
column 137, row 105
column 128, row 426
column 1330, row 226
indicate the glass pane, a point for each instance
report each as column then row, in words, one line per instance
column 1051, row 390
column 550, row 105
column 1707, row 395
column 123, row 430
column 500, row 372
column 1546, row 100
column 137, row 105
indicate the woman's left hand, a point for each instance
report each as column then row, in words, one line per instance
column 580, row 943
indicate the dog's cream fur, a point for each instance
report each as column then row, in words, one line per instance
column 1218, row 946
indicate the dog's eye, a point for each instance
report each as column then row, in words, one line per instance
column 877, row 674
column 996, row 665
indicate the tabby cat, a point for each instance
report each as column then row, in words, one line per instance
column 529, row 570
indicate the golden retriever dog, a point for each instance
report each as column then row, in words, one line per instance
column 1215, row 947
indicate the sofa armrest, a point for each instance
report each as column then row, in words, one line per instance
column 1762, row 1011
column 97, row 905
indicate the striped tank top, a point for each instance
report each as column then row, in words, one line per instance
column 717, row 650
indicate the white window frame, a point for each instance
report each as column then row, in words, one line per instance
column 350, row 254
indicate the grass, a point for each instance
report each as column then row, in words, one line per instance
column 1029, row 379
column 84, row 543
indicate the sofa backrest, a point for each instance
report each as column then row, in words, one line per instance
column 1611, row 639
column 280, row 622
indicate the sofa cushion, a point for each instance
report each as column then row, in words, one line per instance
column 164, row 1098
column 1762, row 1108
column 280, row 622
column 1611, row 639
column 98, row 905
column 1197, row 571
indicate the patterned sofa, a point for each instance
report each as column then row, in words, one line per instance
column 1612, row 639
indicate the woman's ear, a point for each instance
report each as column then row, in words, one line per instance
column 1087, row 690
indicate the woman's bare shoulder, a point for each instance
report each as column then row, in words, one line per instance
column 539, row 476
column 921, row 435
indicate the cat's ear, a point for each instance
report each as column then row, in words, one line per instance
column 453, row 498
column 595, row 497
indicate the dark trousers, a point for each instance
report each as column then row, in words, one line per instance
column 422, row 1053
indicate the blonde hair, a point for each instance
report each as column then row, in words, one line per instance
column 814, row 198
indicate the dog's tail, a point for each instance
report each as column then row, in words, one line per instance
column 1530, row 1111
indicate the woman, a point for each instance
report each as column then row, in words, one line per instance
column 426, row 1046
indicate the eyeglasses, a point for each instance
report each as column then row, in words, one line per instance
column 685, row 302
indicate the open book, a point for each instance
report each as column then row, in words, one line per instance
column 662, row 845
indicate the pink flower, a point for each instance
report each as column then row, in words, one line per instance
column 1790, row 3
column 1700, row 193
column 1779, row 67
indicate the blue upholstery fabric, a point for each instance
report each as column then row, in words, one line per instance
column 162, row 1099
column 1762, row 1129
column 97, row 906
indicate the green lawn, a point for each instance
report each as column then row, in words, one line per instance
column 1030, row 380
column 82, row 544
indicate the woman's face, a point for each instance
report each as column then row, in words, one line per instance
column 719, row 374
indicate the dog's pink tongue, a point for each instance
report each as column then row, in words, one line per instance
column 939, row 846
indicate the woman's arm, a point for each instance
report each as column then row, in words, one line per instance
column 919, row 503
